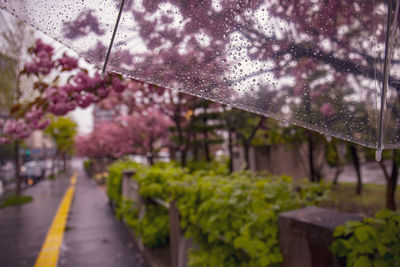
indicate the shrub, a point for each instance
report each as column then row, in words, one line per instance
column 153, row 228
column 114, row 181
column 217, row 167
column 87, row 165
column 232, row 218
column 372, row 242
column 154, row 184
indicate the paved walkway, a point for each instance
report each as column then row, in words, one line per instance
column 93, row 236
column 371, row 173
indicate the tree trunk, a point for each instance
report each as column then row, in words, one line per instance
column 207, row 150
column 230, row 149
column 17, row 169
column 356, row 164
column 246, row 148
column 180, row 143
column 53, row 166
column 311, row 157
column 205, row 132
column 150, row 156
column 64, row 162
column 183, row 158
column 150, row 159
column 247, row 141
column 391, row 184
column 195, row 148
column 338, row 171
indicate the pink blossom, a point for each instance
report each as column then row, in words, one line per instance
column 43, row 47
column 327, row 109
column 67, row 62
column 41, row 63
column 43, row 124
column 117, row 85
column 299, row 88
column 84, row 82
column 4, row 140
column 68, row 88
column 86, row 100
column 16, row 129
column 315, row 93
column 32, row 67
column 102, row 92
column 34, row 115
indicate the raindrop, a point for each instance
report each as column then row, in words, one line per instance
column 328, row 138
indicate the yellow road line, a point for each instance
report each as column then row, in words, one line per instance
column 49, row 253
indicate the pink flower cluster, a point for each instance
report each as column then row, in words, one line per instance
column 67, row 62
column 327, row 109
column 17, row 129
column 81, row 90
column 42, row 59
column 21, row 128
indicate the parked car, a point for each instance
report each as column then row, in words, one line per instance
column 32, row 172
column 1, row 188
column 7, row 174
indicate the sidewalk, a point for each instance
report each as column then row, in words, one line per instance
column 371, row 173
column 93, row 237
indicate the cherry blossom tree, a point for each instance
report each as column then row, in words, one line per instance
column 139, row 97
column 143, row 132
column 107, row 141
column 146, row 132
column 45, row 69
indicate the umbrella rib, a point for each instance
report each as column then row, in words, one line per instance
column 385, row 79
column 113, row 37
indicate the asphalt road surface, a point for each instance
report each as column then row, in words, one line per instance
column 92, row 236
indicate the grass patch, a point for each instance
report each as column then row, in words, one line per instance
column 343, row 197
column 16, row 201
column 51, row 177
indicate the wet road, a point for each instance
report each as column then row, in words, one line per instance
column 93, row 236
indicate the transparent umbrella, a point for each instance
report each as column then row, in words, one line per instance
column 331, row 66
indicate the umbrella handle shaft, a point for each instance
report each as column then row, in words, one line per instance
column 386, row 65
column 113, row 37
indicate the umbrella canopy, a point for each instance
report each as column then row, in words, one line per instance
column 331, row 66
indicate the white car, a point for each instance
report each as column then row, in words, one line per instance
column 32, row 172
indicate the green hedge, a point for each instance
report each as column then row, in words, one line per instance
column 232, row 218
column 374, row 242
column 114, row 181
column 87, row 164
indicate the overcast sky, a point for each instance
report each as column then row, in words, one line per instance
column 84, row 118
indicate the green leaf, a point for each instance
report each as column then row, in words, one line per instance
column 380, row 263
column 361, row 234
column 339, row 231
column 382, row 249
column 383, row 214
column 353, row 224
column 362, row 261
